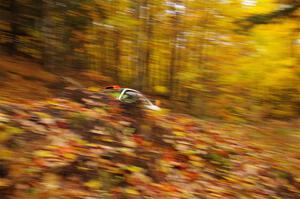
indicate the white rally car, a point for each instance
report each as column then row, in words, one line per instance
column 128, row 95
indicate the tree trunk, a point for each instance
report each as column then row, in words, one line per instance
column 173, row 59
column 149, row 34
column 14, row 30
column 117, row 56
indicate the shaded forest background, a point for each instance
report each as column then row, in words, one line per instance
column 229, row 59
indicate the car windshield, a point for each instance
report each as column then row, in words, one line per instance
column 130, row 97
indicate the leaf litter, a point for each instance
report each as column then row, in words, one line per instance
column 86, row 145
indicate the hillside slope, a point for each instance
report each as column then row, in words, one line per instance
column 22, row 79
column 86, row 145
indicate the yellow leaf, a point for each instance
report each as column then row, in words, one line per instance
column 44, row 115
column 70, row 156
column 94, row 89
column 93, row 184
column 13, row 130
column 132, row 191
column 4, row 182
column 44, row 154
column 197, row 164
column 179, row 133
column 134, row 169
column 4, row 137
column 129, row 143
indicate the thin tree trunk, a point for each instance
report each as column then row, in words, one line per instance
column 47, row 32
column 201, row 59
column 14, row 31
column 117, row 55
column 149, row 34
column 173, row 61
column 138, row 65
column 103, row 54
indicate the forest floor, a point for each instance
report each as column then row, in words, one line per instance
column 22, row 79
column 64, row 143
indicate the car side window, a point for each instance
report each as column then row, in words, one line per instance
column 130, row 97
column 144, row 100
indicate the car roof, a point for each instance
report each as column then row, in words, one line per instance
column 118, row 88
column 130, row 89
column 113, row 87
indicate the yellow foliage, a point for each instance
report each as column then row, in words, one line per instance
column 161, row 89
column 6, row 154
